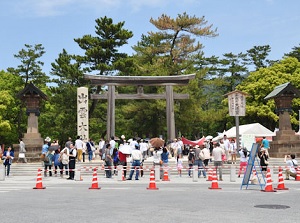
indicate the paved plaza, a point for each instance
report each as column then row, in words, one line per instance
column 179, row 200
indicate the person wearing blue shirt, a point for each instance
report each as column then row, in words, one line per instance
column 265, row 144
column 7, row 157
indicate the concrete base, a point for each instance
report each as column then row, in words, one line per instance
column 285, row 142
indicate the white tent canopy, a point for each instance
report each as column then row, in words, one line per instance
column 255, row 129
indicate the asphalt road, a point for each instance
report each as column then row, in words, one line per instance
column 179, row 200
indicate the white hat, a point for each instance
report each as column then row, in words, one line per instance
column 48, row 139
column 196, row 146
column 122, row 137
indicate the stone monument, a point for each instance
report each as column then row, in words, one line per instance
column 285, row 141
column 32, row 97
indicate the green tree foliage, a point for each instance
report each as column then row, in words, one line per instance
column 30, row 68
column 170, row 51
column 9, row 107
column 260, row 83
column 258, row 56
column 294, row 53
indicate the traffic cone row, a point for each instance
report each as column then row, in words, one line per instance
column 39, row 183
column 280, row 185
column 95, row 181
column 152, row 184
column 214, row 183
column 210, row 173
column 269, row 186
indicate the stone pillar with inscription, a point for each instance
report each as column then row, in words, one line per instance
column 83, row 113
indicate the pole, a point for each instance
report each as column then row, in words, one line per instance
column 237, row 128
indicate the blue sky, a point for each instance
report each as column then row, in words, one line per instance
column 241, row 24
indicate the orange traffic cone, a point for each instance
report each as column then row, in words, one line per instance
column 95, row 181
column 210, row 173
column 166, row 175
column 39, row 184
column 214, row 183
column 297, row 178
column 152, row 184
column 269, row 186
column 280, row 185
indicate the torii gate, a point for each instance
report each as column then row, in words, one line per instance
column 140, row 81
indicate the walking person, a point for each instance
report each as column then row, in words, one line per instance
column 72, row 162
column 48, row 164
column 206, row 155
column 179, row 165
column 217, row 154
column 64, row 161
column 165, row 160
column 8, row 157
column 56, row 161
column 22, row 151
column 243, row 161
column 115, row 160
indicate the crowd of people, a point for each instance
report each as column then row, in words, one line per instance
column 199, row 156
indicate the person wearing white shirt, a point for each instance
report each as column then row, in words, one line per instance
column 291, row 164
column 226, row 144
column 233, row 151
column 137, row 157
column 217, row 155
column 112, row 143
column 79, row 145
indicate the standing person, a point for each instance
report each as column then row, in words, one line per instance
column 57, row 161
column 115, row 160
column 45, row 150
column 72, row 162
column 226, row 144
column 68, row 143
column 157, row 158
column 122, row 140
column 233, row 151
column 206, row 155
column 191, row 160
column 64, row 161
column 266, row 145
column 263, row 157
column 137, row 158
column 90, row 149
column 217, row 155
column 108, row 161
column 198, row 161
column 179, row 165
column 144, row 147
column 79, row 146
column 48, row 164
column 123, row 161
column 292, row 164
column 165, row 160
column 243, row 161
column 22, row 151
column 101, row 147
column 112, row 143
column 8, row 157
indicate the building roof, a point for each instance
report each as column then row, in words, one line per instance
column 139, row 80
column 286, row 88
column 31, row 89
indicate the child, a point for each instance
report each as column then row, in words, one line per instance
column 56, row 160
column 179, row 165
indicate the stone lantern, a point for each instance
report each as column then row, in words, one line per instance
column 285, row 141
column 32, row 97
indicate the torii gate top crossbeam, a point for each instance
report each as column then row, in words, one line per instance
column 140, row 80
